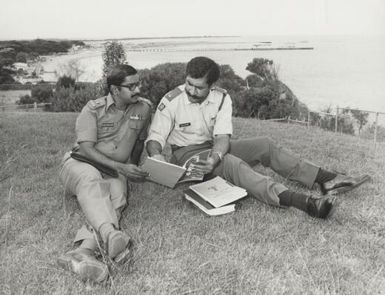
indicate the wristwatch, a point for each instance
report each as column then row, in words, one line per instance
column 220, row 155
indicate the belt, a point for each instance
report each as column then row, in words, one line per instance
column 102, row 168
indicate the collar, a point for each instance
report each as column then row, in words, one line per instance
column 109, row 101
column 209, row 99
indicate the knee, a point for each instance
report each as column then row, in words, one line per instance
column 267, row 141
column 231, row 163
column 267, row 146
column 230, row 159
column 92, row 186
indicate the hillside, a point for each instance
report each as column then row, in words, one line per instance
column 178, row 250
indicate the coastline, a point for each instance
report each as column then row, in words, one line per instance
column 339, row 71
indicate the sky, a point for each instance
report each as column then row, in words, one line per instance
column 97, row 19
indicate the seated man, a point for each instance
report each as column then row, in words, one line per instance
column 110, row 135
column 197, row 116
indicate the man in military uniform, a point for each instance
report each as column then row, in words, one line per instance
column 197, row 116
column 110, row 137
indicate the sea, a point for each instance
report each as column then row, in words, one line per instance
column 322, row 71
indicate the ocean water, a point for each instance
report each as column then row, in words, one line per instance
column 344, row 71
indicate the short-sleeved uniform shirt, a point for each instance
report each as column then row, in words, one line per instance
column 114, row 131
column 180, row 122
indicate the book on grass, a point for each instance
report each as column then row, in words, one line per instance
column 215, row 196
column 218, row 192
column 206, row 207
column 170, row 174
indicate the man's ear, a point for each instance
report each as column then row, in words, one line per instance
column 114, row 90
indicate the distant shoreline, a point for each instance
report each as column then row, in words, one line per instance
column 218, row 49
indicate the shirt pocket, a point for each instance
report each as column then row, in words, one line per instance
column 106, row 128
column 136, row 125
column 185, row 126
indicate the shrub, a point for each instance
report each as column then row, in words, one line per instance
column 161, row 79
column 25, row 99
column 254, row 102
column 230, row 81
column 73, row 100
column 42, row 93
column 65, row 82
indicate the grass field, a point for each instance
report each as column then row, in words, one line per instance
column 178, row 250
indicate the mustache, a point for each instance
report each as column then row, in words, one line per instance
column 194, row 96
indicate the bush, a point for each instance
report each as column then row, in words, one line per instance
column 255, row 81
column 25, row 99
column 161, row 79
column 42, row 93
column 73, row 100
column 230, row 81
column 65, row 82
column 254, row 102
column 264, row 68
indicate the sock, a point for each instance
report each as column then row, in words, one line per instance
column 293, row 199
column 88, row 244
column 324, row 176
column 105, row 229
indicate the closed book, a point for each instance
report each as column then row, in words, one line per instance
column 206, row 207
column 218, row 192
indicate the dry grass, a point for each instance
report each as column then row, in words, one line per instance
column 178, row 250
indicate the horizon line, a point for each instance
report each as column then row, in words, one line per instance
column 196, row 36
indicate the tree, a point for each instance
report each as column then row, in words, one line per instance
column 345, row 124
column 254, row 81
column 263, row 68
column 72, row 69
column 21, row 57
column 113, row 54
column 25, row 99
column 229, row 80
column 360, row 116
column 161, row 79
column 7, row 58
column 41, row 93
column 65, row 82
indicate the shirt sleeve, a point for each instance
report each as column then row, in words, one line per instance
column 223, row 123
column 162, row 123
column 86, row 125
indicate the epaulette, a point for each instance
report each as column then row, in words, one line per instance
column 219, row 89
column 173, row 93
column 146, row 101
column 97, row 103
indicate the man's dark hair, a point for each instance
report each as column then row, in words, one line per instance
column 202, row 66
column 118, row 73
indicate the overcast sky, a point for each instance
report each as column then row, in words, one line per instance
column 94, row 19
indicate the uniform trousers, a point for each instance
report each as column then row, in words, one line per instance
column 101, row 198
column 236, row 167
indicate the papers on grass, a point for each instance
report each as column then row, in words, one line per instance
column 215, row 196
